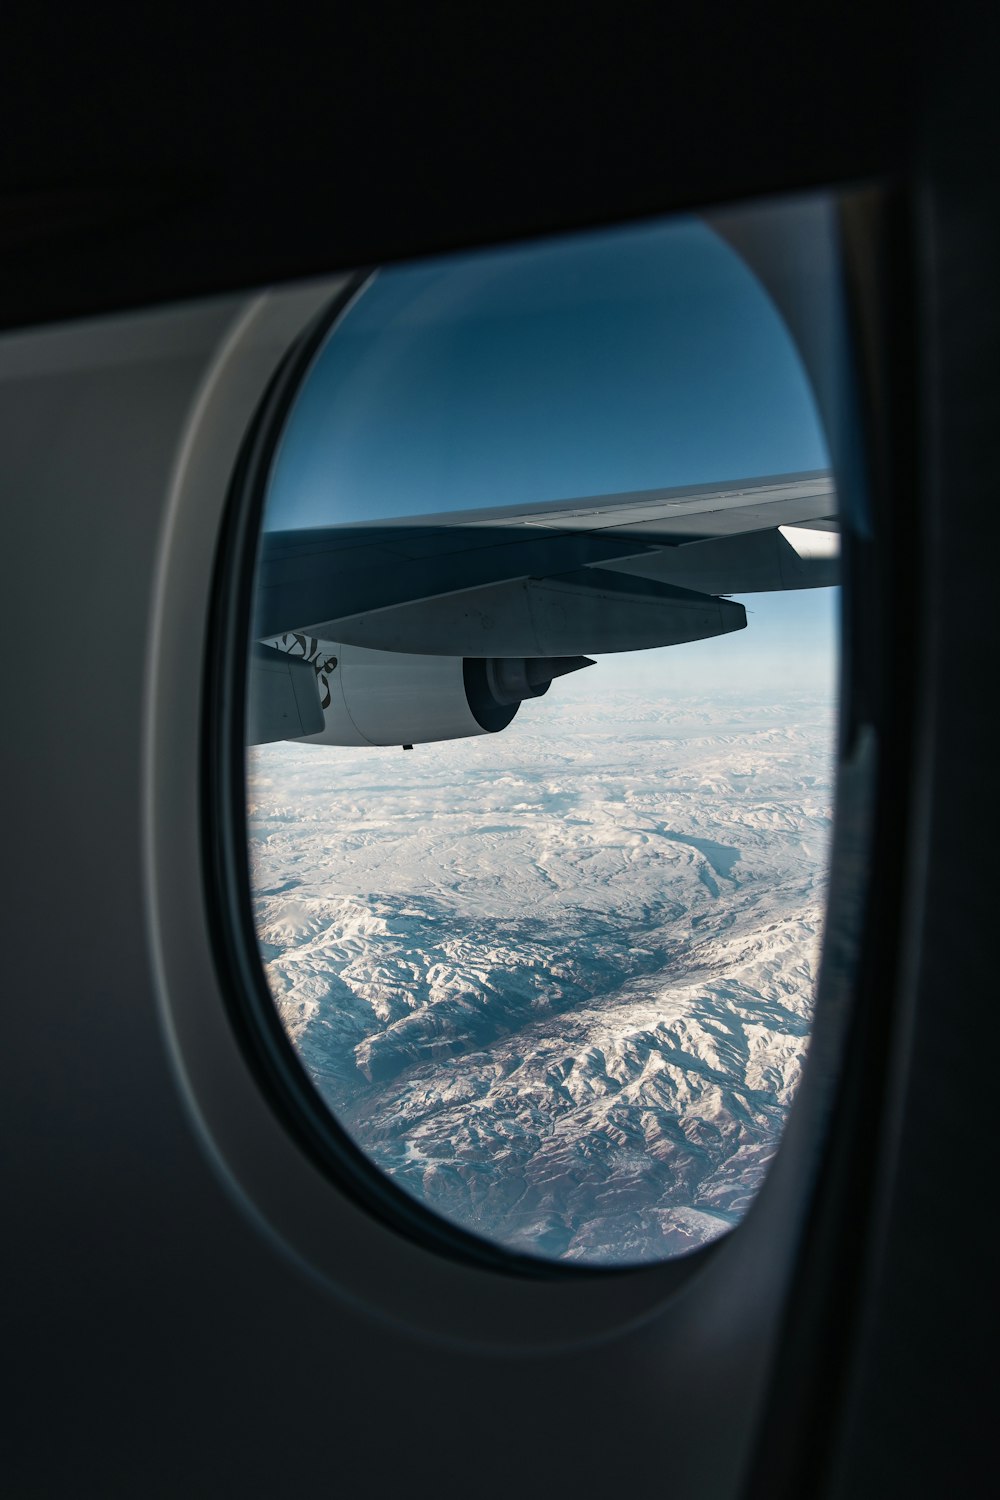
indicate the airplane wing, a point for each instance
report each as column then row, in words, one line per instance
column 605, row 573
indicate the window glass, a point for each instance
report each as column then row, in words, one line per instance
column 541, row 719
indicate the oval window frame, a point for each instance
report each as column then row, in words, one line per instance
column 580, row 1302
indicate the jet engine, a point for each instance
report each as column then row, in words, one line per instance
column 329, row 693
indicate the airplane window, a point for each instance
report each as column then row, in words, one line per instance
column 540, row 724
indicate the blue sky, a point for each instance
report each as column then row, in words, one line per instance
column 617, row 360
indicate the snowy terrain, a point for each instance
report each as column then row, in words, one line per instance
column 557, row 981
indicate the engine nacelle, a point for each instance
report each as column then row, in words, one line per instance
column 372, row 697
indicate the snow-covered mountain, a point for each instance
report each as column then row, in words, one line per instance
column 557, row 982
